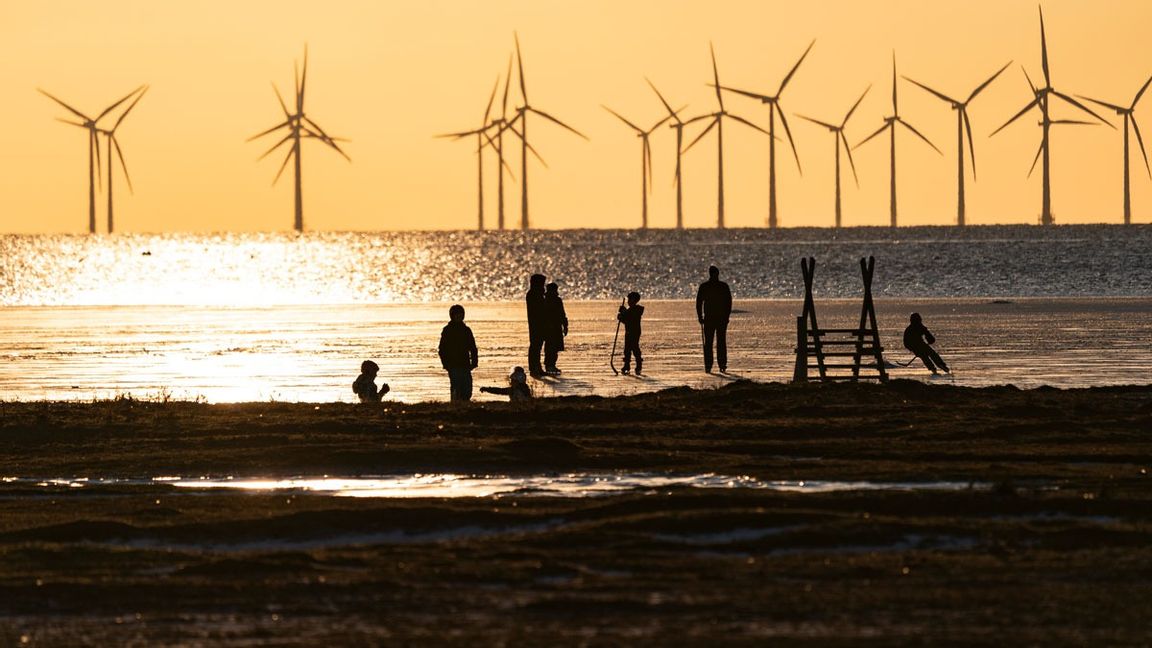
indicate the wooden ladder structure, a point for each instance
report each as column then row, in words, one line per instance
column 837, row 350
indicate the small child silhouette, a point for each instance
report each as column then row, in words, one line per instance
column 365, row 385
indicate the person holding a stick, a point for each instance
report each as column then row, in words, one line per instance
column 630, row 318
column 713, row 309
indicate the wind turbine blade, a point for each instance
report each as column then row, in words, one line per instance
column 1029, row 79
column 1073, row 122
column 283, row 165
column 702, row 134
column 520, row 67
column 69, row 121
column 699, row 117
column 648, row 163
column 1081, row 107
column 117, row 104
column 287, row 138
column 70, row 108
column 95, row 141
column 1031, row 104
column 280, row 98
column 667, row 106
column 830, row 127
column 971, row 146
column 1044, row 51
column 621, row 118
column 851, row 162
column 746, row 123
column 1036, row 159
column 659, row 124
column 491, row 99
column 750, row 95
column 854, row 106
column 980, row 88
column 332, row 143
column 895, row 109
column 303, row 82
column 507, row 82
column 716, row 76
column 270, row 130
column 1118, row 109
column 792, row 72
column 558, row 122
column 1141, row 93
column 123, row 165
column 788, row 132
column 129, row 109
column 941, row 95
column 920, row 135
column 1140, row 140
column 461, row 134
column 878, row 131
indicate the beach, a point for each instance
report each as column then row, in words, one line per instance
column 898, row 513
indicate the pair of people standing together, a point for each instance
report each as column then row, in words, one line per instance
column 547, row 325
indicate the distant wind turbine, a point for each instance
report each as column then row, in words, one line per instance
column 962, row 125
column 838, row 137
column 300, row 127
column 114, row 143
column 481, row 135
column 1129, row 118
column 890, row 125
column 1040, row 99
column 774, row 107
column 677, row 125
column 94, row 161
column 522, row 117
column 717, row 122
column 645, row 161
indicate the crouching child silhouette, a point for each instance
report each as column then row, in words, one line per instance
column 918, row 339
column 517, row 389
column 365, row 385
column 458, row 355
column 630, row 318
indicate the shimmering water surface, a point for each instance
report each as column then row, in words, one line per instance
column 286, row 317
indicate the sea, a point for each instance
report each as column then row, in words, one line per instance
column 289, row 317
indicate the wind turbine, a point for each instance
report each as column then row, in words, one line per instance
column 1129, row 118
column 481, row 134
column 522, row 117
column 774, row 107
column 300, row 127
column 645, row 161
column 838, row 137
column 114, row 143
column 677, row 125
column 718, row 123
column 890, row 125
column 1040, row 99
column 94, row 162
column 962, row 124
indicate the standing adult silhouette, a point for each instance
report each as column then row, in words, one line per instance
column 537, row 323
column 713, row 309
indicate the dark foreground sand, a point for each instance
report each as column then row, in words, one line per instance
column 1057, row 550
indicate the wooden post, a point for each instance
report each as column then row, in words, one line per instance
column 800, row 373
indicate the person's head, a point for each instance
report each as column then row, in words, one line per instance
column 553, row 289
column 914, row 318
column 456, row 313
column 369, row 368
column 517, row 375
column 633, row 298
column 537, row 281
column 713, row 272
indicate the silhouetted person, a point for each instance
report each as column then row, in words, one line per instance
column 630, row 317
column 537, row 323
column 458, row 354
column 713, row 309
column 365, row 385
column 918, row 339
column 517, row 389
column 556, row 327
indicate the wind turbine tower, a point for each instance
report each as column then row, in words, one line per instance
column 299, row 127
column 645, row 161
column 839, row 139
column 114, row 143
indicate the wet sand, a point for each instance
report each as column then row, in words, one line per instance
column 1056, row 549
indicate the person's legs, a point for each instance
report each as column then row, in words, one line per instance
column 722, row 345
column 925, row 353
column 460, row 381
column 709, row 334
column 551, row 353
column 535, row 343
column 938, row 360
column 636, row 352
column 627, row 353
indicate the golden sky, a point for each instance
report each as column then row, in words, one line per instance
column 390, row 75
